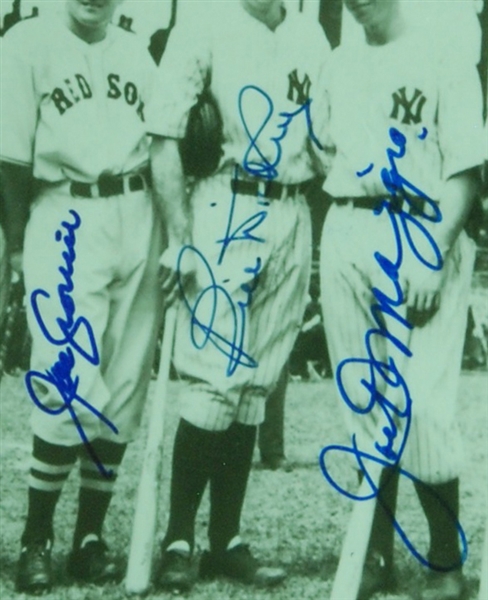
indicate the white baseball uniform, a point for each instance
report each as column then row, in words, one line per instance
column 373, row 88
column 73, row 112
column 235, row 50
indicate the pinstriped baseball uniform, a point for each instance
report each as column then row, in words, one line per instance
column 287, row 64
column 373, row 88
column 73, row 111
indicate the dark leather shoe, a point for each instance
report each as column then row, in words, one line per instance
column 92, row 564
column 239, row 564
column 378, row 576
column 277, row 463
column 34, row 569
column 444, row 586
column 176, row 571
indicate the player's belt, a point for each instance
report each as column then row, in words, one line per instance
column 415, row 204
column 273, row 190
column 109, row 185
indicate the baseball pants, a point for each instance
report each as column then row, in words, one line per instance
column 272, row 312
column 349, row 271
column 115, row 288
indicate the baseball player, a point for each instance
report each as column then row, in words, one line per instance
column 393, row 92
column 240, row 247
column 74, row 147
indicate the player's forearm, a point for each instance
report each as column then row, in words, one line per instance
column 16, row 189
column 458, row 196
column 170, row 190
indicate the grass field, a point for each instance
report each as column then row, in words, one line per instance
column 295, row 519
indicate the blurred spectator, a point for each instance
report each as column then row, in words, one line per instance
column 14, row 16
column 309, row 359
column 330, row 17
column 271, row 439
column 4, row 271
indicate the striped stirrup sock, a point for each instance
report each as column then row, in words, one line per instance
column 50, row 466
column 96, row 488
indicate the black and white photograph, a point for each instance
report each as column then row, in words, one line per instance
column 244, row 299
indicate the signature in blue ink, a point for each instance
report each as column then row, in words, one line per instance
column 212, row 299
column 386, row 375
column 244, row 231
column 261, row 166
column 362, row 459
column 75, row 335
column 204, row 309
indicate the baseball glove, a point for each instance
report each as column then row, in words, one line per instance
column 13, row 328
column 201, row 148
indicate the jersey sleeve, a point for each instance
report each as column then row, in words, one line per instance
column 18, row 99
column 181, row 77
column 460, row 118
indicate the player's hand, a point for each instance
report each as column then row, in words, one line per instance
column 16, row 261
column 170, row 279
column 422, row 288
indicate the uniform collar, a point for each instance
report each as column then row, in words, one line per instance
column 81, row 43
column 284, row 8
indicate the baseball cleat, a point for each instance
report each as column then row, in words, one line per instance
column 34, row 569
column 239, row 564
column 277, row 463
column 444, row 586
column 176, row 571
column 378, row 576
column 92, row 564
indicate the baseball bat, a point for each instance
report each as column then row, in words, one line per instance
column 353, row 554
column 483, row 593
column 354, row 548
column 145, row 516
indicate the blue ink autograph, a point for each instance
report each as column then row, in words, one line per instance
column 263, row 167
column 204, row 312
column 75, row 336
column 244, row 231
column 399, row 415
column 214, row 298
